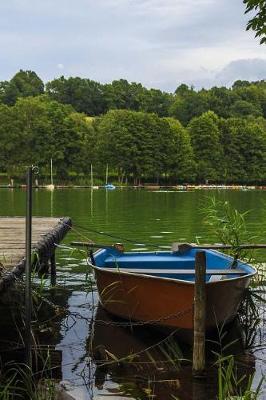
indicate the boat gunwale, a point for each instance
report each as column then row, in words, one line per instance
column 148, row 276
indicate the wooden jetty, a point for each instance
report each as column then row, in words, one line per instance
column 46, row 233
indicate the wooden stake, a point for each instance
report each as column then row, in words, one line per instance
column 28, row 298
column 199, row 315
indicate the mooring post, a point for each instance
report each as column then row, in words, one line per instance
column 199, row 315
column 53, row 268
column 28, row 269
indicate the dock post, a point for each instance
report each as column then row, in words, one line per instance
column 28, row 304
column 199, row 315
column 53, row 268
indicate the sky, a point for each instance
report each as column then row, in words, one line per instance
column 159, row 43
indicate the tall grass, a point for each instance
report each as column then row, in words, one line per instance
column 228, row 226
column 233, row 387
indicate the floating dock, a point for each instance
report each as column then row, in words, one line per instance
column 46, row 234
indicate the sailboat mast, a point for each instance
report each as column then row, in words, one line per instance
column 106, row 176
column 51, row 169
column 91, row 177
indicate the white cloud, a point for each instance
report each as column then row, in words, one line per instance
column 160, row 43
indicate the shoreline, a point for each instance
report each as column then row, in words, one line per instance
column 145, row 187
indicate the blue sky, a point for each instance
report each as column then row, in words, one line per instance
column 160, row 43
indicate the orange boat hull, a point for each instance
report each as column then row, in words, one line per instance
column 167, row 302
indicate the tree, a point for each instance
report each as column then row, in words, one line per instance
column 180, row 159
column 187, row 104
column 156, row 101
column 220, row 100
column 37, row 129
column 244, row 108
column 258, row 22
column 23, row 84
column 244, row 149
column 9, row 138
column 121, row 94
column 205, row 139
column 136, row 144
column 84, row 95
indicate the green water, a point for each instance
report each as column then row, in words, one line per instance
column 155, row 217
column 140, row 219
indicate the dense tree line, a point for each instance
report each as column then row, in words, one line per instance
column 143, row 134
column 94, row 99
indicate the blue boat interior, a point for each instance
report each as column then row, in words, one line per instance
column 172, row 265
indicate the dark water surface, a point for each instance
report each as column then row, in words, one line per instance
column 141, row 220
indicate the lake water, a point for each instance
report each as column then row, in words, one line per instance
column 141, row 220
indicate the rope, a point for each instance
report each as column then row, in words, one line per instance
column 110, row 235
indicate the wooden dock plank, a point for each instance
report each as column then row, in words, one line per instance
column 46, row 232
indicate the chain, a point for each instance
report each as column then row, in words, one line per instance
column 143, row 323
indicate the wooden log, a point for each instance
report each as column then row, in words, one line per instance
column 184, row 247
column 199, row 315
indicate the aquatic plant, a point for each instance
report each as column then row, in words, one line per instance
column 232, row 387
column 227, row 224
column 19, row 381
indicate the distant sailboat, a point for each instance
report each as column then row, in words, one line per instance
column 51, row 186
column 92, row 186
column 107, row 185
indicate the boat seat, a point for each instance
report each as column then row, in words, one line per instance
column 151, row 262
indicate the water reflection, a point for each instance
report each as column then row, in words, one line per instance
column 144, row 362
column 80, row 336
column 51, row 203
column 91, row 204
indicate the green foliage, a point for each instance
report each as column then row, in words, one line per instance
column 37, row 129
column 20, row 383
column 244, row 148
column 230, row 385
column 84, row 95
column 133, row 142
column 180, row 162
column 249, row 315
column 242, row 108
column 205, row 139
column 258, row 22
column 23, row 84
column 227, row 223
column 188, row 104
column 216, row 135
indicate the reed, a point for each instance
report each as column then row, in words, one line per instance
column 250, row 316
column 233, row 387
column 227, row 225
column 20, row 381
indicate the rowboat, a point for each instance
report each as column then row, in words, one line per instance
column 158, row 287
